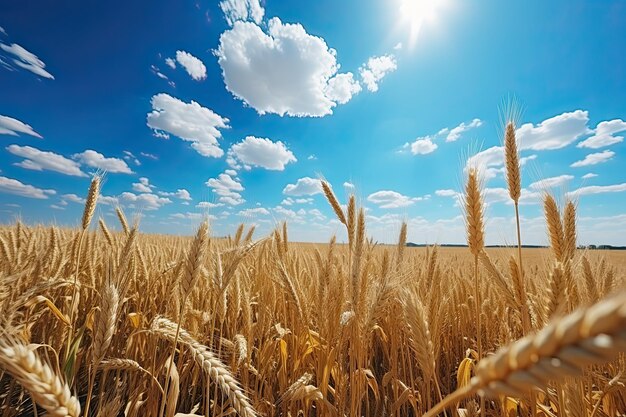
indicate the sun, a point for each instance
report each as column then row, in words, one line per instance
column 416, row 12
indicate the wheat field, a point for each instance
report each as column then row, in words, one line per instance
column 103, row 323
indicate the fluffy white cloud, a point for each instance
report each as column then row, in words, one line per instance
column 283, row 71
column 391, row 199
column 129, row 156
column 170, row 63
column 456, row 132
column 603, row 135
column 594, row 158
column 342, row 87
column 26, row 60
column 253, row 212
column 207, row 205
column 554, row 133
column 13, row 186
column 189, row 121
column 227, row 188
column 145, row 201
column 143, row 186
column 181, row 194
column 375, row 69
column 194, row 67
column 235, row 10
column 13, row 127
column 490, row 162
column 97, row 160
column 38, row 160
column 423, row 146
column 589, row 176
column 551, row 182
column 304, row 186
column 291, row 201
column 446, row 193
column 598, row 189
column 260, row 152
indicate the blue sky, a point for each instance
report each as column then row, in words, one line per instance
column 235, row 108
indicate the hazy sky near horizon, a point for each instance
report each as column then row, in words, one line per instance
column 237, row 108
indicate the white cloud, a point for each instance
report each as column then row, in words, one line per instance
column 4, row 32
column 398, row 46
column 375, row 69
column 207, row 205
column 456, row 132
column 97, row 160
column 73, row 198
column 235, row 10
column 181, row 194
column 231, row 172
column 589, row 176
column 304, row 186
column 11, row 126
column 26, row 60
column 446, row 193
column 598, row 189
column 227, row 188
column 143, row 186
column 253, row 212
column 12, row 186
column 311, row 157
column 170, row 63
column 551, row 182
column 291, row 201
column 145, row 201
column 128, row 155
column 54, row 206
column 149, row 156
column 283, row 71
column 350, row 187
column 594, row 158
column 387, row 199
column 422, row 146
column 342, row 87
column 554, row 133
column 260, row 152
column 194, row 67
column 108, row 200
column 603, row 135
column 38, row 160
column 189, row 121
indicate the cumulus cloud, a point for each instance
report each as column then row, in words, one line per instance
column 391, row 199
column 13, row 186
column 490, row 162
column 170, row 63
column 253, row 212
column 207, row 205
column 97, row 160
column 143, row 186
column 446, row 193
column 194, row 67
column 551, row 182
column 598, row 189
column 13, row 127
column 189, row 121
column 227, row 188
column 235, row 10
column 181, row 194
column 260, row 152
column 73, row 198
column 144, row 201
column 603, row 134
column 304, row 186
column 342, row 87
column 554, row 133
column 291, row 201
column 283, row 71
column 375, row 69
column 423, row 146
column 594, row 159
column 39, row 160
column 26, row 60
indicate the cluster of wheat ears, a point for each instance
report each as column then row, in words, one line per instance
column 102, row 323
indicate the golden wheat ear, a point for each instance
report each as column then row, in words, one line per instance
column 586, row 337
column 47, row 388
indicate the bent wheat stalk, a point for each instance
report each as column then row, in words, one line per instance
column 589, row 336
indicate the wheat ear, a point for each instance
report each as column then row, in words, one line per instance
column 92, row 201
column 46, row 387
column 332, row 200
column 594, row 335
column 555, row 227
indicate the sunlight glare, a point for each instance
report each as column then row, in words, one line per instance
column 416, row 12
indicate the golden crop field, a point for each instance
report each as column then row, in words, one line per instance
column 111, row 324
